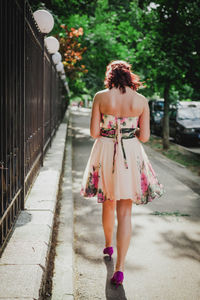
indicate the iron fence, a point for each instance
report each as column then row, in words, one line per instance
column 33, row 103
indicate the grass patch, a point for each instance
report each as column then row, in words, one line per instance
column 175, row 154
column 166, row 213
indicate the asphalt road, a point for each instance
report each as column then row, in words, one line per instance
column 163, row 257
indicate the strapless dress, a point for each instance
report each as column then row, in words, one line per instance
column 118, row 167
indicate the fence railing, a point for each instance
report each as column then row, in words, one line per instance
column 33, row 103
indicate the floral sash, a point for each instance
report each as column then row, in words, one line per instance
column 118, row 134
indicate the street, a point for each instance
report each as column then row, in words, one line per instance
column 163, row 258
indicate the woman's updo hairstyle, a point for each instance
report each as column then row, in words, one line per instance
column 119, row 75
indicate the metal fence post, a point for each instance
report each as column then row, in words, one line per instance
column 22, row 110
column 42, row 103
column 50, row 108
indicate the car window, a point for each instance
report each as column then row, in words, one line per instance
column 189, row 113
column 159, row 106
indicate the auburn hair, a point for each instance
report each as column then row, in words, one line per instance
column 119, row 75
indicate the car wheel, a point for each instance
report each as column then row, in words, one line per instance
column 178, row 138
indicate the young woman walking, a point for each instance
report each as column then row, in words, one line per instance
column 118, row 171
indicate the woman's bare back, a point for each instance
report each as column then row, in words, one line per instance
column 113, row 102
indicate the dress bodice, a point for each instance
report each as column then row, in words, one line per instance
column 111, row 122
column 118, row 129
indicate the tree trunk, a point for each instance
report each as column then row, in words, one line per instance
column 166, row 117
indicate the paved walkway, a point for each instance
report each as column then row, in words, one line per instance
column 163, row 257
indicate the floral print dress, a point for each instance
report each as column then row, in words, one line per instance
column 118, row 167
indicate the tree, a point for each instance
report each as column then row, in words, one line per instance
column 168, row 50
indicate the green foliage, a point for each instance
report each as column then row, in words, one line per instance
column 160, row 39
column 172, row 38
column 173, row 213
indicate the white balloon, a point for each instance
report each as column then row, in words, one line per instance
column 63, row 77
column 59, row 67
column 44, row 20
column 56, row 57
column 52, row 44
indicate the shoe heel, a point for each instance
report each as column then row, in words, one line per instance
column 109, row 251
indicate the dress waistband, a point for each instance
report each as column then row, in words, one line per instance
column 118, row 134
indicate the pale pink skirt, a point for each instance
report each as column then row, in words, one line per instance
column 138, row 182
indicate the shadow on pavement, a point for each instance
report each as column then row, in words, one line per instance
column 182, row 245
column 111, row 292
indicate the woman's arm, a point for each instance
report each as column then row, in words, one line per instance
column 95, row 117
column 144, row 123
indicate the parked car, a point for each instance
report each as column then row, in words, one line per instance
column 156, row 115
column 184, row 122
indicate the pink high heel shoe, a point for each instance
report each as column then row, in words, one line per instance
column 109, row 251
column 117, row 278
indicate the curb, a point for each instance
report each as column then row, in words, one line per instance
column 24, row 261
column 189, row 152
column 62, row 281
column 184, row 150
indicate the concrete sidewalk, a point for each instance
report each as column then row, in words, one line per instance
column 163, row 258
column 23, row 264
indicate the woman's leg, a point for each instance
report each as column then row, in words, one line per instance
column 108, row 221
column 124, row 229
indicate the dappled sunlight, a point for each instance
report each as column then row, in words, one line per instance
column 81, row 132
column 80, row 110
column 77, row 184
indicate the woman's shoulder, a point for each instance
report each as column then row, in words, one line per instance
column 100, row 95
column 140, row 96
column 102, row 92
column 141, row 99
